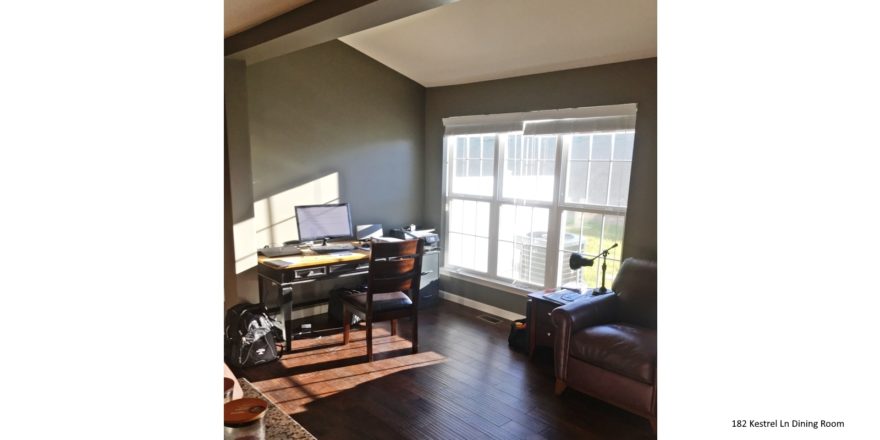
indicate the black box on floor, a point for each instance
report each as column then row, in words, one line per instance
column 334, row 308
column 429, row 285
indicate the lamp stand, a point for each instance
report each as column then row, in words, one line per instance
column 602, row 290
column 604, row 254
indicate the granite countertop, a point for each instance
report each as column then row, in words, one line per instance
column 279, row 426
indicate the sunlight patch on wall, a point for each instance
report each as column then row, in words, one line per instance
column 274, row 221
column 245, row 248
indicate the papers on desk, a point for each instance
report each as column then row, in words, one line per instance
column 565, row 296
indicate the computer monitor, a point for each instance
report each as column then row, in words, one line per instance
column 316, row 222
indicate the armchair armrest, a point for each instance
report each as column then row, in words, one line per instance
column 574, row 316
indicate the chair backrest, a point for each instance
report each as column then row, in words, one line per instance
column 636, row 287
column 396, row 266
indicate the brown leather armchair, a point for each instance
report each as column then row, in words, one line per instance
column 606, row 346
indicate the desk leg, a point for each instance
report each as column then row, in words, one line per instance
column 286, row 300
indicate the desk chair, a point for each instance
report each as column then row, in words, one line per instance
column 392, row 290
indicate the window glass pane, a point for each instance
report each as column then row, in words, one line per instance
column 460, row 147
column 505, row 259
column 597, row 189
column 526, row 176
column 482, row 219
column 455, row 215
column 576, row 184
column 623, row 146
column 522, row 245
column 489, row 147
column 613, row 233
column 469, row 217
column 540, row 220
column 532, row 264
column 548, row 148
column 473, row 174
column 467, row 251
column 487, row 168
column 453, row 249
column 523, row 224
column 619, row 190
column 599, row 180
column 514, row 145
column 474, row 147
column 571, row 230
column 601, row 147
column 580, row 147
column 481, row 254
column 473, row 168
column 460, row 168
column 468, row 245
column 506, row 219
column 591, row 233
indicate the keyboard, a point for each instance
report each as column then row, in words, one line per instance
column 281, row 251
column 333, row 247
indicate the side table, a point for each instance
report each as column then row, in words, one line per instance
column 541, row 329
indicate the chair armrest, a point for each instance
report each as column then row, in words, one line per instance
column 574, row 316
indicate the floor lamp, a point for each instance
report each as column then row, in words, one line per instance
column 577, row 261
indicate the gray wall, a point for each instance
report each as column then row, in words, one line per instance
column 331, row 109
column 238, row 195
column 634, row 81
column 238, row 140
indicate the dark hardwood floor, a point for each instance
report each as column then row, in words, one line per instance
column 465, row 383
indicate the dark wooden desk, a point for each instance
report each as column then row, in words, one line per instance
column 280, row 275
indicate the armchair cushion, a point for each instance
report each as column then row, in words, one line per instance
column 636, row 286
column 570, row 318
column 381, row 301
column 625, row 349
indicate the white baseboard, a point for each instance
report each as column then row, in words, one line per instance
column 483, row 307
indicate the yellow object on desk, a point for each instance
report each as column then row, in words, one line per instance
column 306, row 261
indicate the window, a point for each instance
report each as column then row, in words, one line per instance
column 524, row 191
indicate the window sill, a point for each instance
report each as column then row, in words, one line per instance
column 520, row 290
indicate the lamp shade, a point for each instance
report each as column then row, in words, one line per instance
column 577, row 261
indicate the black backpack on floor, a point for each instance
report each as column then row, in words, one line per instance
column 249, row 336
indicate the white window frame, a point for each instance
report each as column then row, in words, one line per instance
column 555, row 207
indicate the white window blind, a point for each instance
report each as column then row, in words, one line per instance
column 581, row 119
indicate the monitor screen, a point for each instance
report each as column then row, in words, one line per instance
column 315, row 222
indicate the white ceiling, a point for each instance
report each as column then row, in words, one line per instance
column 478, row 40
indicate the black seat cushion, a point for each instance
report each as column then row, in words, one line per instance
column 381, row 301
column 627, row 350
